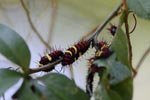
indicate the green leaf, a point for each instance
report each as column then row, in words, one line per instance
column 7, row 79
column 140, row 7
column 124, row 89
column 116, row 82
column 62, row 88
column 117, row 71
column 41, row 91
column 120, row 47
column 121, row 91
column 102, row 93
column 104, row 62
column 14, row 48
column 26, row 92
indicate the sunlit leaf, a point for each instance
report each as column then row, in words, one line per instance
column 140, row 7
column 7, row 79
column 62, row 88
column 13, row 47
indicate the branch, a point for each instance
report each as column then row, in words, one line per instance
column 32, row 25
column 97, row 31
column 135, row 24
column 125, row 4
column 45, row 67
column 88, row 34
column 141, row 61
column 52, row 19
column 101, row 26
column 128, row 34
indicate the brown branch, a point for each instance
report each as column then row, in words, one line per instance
column 102, row 25
column 141, row 61
column 32, row 25
column 128, row 34
column 135, row 24
column 97, row 31
column 45, row 67
column 125, row 4
column 89, row 33
column 52, row 20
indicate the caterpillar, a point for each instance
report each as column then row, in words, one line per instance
column 91, row 72
column 101, row 44
column 112, row 29
column 74, row 52
column 103, row 50
column 49, row 58
column 89, row 79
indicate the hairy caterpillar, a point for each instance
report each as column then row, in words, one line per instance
column 51, row 57
column 74, row 52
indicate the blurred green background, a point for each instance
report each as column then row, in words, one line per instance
column 64, row 22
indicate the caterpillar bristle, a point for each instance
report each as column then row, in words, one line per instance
column 74, row 52
column 103, row 51
column 49, row 58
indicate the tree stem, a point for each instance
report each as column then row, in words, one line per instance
column 45, row 67
column 141, row 61
column 32, row 25
column 128, row 35
column 52, row 20
column 94, row 35
column 102, row 25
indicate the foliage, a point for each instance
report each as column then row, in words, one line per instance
column 115, row 82
column 14, row 48
column 140, row 7
column 119, row 70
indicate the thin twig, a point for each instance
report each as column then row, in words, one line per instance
column 52, row 20
column 135, row 24
column 100, row 27
column 89, row 33
column 128, row 35
column 45, row 67
column 97, row 31
column 107, row 20
column 126, row 16
column 32, row 25
column 125, row 4
column 141, row 61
